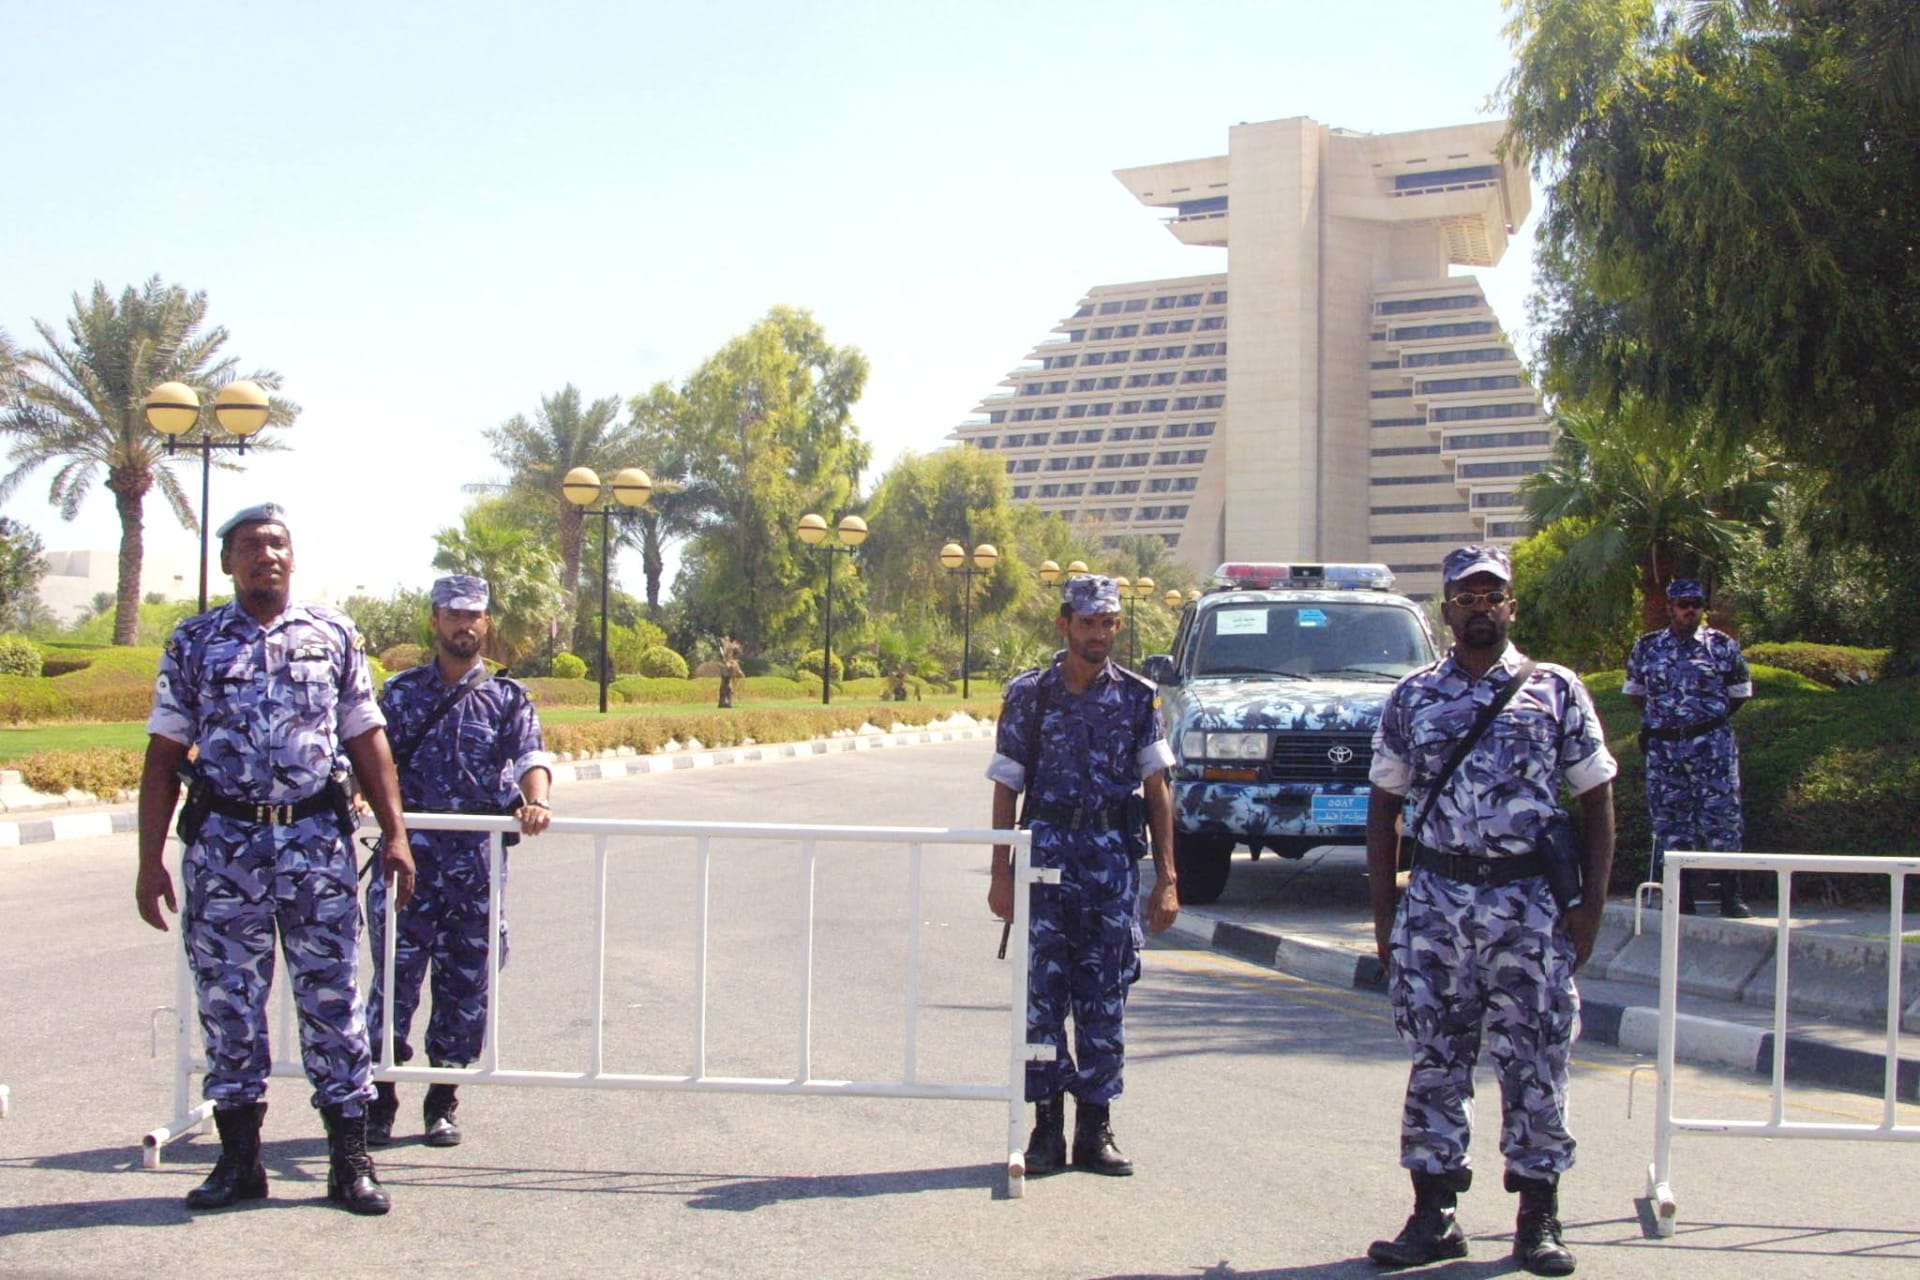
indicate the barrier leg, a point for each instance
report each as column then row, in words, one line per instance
column 1659, row 1187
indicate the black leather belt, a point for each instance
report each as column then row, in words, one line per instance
column 1482, row 873
column 279, row 814
column 1068, row 817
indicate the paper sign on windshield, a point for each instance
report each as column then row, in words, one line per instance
column 1240, row 622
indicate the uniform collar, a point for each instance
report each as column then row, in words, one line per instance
column 1506, row 664
column 1105, row 673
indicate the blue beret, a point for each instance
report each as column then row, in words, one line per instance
column 261, row 513
column 1091, row 594
column 1464, row 562
column 1686, row 589
column 460, row 591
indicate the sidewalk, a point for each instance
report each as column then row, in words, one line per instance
column 1310, row 918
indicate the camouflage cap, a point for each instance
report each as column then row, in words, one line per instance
column 1464, row 562
column 1686, row 589
column 259, row 513
column 1091, row 594
column 460, row 591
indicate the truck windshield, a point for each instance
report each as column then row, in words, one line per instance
column 1310, row 639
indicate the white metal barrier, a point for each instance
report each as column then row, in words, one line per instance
column 1783, row 867
column 189, row 1115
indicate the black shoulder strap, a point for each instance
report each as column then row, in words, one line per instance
column 1480, row 724
column 466, row 686
column 1035, row 722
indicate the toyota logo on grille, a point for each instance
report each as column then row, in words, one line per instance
column 1341, row 754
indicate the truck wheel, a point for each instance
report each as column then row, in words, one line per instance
column 1202, row 863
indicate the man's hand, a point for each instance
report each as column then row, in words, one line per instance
column 533, row 818
column 397, row 857
column 1583, row 923
column 150, row 887
column 1163, row 904
column 1000, row 893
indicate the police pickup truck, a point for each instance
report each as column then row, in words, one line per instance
column 1270, row 698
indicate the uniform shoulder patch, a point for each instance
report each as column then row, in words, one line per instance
column 359, row 643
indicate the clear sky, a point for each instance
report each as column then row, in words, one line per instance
column 426, row 216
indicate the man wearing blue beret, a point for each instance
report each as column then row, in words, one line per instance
column 270, row 693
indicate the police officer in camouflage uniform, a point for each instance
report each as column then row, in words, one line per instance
column 1477, row 943
column 1688, row 679
column 1099, row 738
column 482, row 753
column 271, row 693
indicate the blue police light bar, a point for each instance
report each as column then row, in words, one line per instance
column 1259, row 575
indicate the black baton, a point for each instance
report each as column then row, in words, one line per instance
column 1006, row 931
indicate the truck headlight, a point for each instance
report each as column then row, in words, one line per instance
column 1196, row 744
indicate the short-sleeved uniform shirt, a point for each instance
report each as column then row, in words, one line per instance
column 1499, row 800
column 475, row 755
column 1687, row 679
column 269, row 706
column 1096, row 746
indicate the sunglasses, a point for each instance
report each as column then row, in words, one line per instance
column 1687, row 602
column 1468, row 599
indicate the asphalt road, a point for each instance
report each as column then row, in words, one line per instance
column 1262, row 1110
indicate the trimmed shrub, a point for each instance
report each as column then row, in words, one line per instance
column 402, row 656
column 553, row 691
column 660, row 662
column 810, row 664
column 862, row 665
column 104, row 771
column 19, row 656
column 1832, row 665
column 569, row 666
column 758, row 666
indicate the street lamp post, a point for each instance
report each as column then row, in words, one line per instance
column 954, row 557
column 812, row 530
column 240, row 409
column 631, row 488
column 1140, row 588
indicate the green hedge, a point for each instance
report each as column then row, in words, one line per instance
column 1831, row 664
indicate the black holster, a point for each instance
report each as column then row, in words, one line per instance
column 1135, row 826
column 342, row 801
column 193, row 814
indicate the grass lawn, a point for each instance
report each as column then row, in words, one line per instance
column 131, row 735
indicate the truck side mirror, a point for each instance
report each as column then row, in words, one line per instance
column 1159, row 668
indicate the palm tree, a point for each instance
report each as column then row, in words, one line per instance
column 1659, row 494
column 77, row 404
column 562, row 436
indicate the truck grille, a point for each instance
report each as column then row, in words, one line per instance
column 1322, row 757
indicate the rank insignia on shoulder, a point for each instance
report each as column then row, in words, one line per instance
column 359, row 642
column 171, row 648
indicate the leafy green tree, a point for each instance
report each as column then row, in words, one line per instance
column 924, row 502
column 522, row 573
column 538, row 453
column 22, row 562
column 1802, row 584
column 400, row 618
column 77, row 404
column 1585, row 621
column 1652, row 494
column 1729, row 230
column 683, row 503
column 766, row 425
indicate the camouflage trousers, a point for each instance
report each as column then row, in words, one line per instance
column 244, row 883
column 1085, row 955
column 443, row 927
column 1693, row 794
column 1468, row 962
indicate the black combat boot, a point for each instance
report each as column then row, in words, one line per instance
column 1733, row 905
column 442, row 1101
column 1536, row 1232
column 1432, row 1233
column 350, row 1176
column 1047, row 1144
column 1093, row 1145
column 238, row 1174
column 380, row 1113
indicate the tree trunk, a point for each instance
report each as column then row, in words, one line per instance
column 571, row 533
column 129, row 487
column 654, row 564
column 1653, row 594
